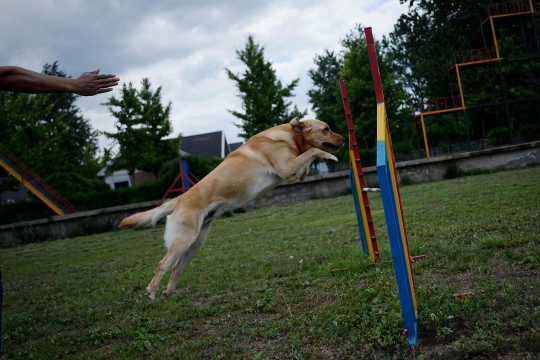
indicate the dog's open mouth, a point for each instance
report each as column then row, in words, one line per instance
column 332, row 146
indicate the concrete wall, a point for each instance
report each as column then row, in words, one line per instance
column 323, row 185
column 70, row 225
column 501, row 158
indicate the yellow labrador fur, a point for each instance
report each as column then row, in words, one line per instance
column 282, row 153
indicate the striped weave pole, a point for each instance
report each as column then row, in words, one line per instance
column 371, row 190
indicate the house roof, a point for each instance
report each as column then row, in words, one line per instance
column 235, row 145
column 209, row 144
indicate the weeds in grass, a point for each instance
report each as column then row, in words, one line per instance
column 405, row 180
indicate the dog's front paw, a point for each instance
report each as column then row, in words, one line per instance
column 329, row 158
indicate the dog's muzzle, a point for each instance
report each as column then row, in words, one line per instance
column 334, row 147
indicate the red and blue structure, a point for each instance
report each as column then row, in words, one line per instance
column 393, row 211
column 185, row 181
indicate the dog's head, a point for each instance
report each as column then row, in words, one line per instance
column 317, row 134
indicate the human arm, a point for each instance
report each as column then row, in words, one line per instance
column 14, row 78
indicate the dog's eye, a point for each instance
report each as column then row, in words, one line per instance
column 326, row 129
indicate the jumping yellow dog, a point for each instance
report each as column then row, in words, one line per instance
column 282, row 153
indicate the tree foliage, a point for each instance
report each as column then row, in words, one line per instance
column 427, row 35
column 324, row 95
column 425, row 38
column 262, row 93
column 83, row 137
column 47, row 133
column 24, row 132
column 142, row 127
column 352, row 64
column 431, row 32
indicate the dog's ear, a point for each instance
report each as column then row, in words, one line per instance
column 298, row 126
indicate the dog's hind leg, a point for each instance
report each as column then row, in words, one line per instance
column 181, row 263
column 180, row 234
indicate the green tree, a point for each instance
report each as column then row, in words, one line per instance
column 323, row 95
column 48, row 133
column 422, row 46
column 142, row 126
column 427, row 35
column 26, row 135
column 262, row 93
column 352, row 64
column 431, row 31
column 84, row 144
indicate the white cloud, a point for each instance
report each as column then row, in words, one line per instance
column 183, row 46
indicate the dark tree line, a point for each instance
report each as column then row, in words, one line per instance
column 49, row 133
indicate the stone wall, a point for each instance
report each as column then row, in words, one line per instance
column 323, row 185
column 70, row 225
column 500, row 158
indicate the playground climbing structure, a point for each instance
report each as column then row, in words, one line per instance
column 488, row 56
column 185, row 181
column 34, row 182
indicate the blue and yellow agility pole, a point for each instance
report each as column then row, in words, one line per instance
column 356, row 174
column 393, row 211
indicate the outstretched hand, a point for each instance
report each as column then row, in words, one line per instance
column 92, row 83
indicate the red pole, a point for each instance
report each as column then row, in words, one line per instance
column 374, row 66
column 353, row 145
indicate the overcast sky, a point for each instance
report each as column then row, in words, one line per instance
column 182, row 46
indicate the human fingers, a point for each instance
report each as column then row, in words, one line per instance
column 104, row 90
column 105, row 76
column 113, row 81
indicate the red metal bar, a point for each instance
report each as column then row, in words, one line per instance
column 445, row 103
column 468, row 56
column 507, row 8
column 181, row 176
column 374, row 66
column 359, row 170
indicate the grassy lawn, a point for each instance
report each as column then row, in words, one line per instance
column 262, row 286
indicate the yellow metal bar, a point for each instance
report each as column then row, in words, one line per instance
column 362, row 206
column 507, row 15
column 30, row 187
column 459, row 86
column 478, row 62
column 424, row 132
column 441, row 111
column 381, row 119
column 395, row 186
column 494, row 37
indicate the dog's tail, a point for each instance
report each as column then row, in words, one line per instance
column 150, row 217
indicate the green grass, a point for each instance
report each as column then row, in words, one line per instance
column 262, row 286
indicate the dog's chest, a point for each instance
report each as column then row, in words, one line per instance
column 264, row 184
